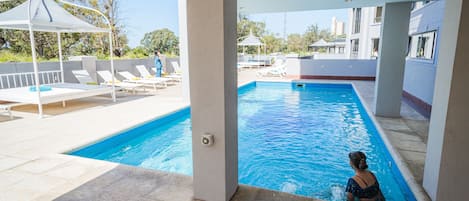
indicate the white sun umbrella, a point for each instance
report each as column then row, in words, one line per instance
column 252, row 40
column 48, row 16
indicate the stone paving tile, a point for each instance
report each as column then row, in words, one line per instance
column 41, row 165
column 131, row 183
column 402, row 136
column 394, row 124
column 10, row 177
column 414, row 146
column 32, row 187
column 249, row 193
column 10, row 162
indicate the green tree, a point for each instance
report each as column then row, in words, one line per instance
column 72, row 43
column 295, row 43
column 163, row 40
column 245, row 26
column 311, row 35
column 326, row 35
column 273, row 44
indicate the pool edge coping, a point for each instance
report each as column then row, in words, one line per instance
column 417, row 189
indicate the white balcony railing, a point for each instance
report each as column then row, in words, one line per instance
column 14, row 80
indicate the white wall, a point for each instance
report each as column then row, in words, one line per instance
column 329, row 56
column 339, row 67
column 419, row 77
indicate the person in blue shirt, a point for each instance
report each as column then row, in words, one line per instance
column 158, row 64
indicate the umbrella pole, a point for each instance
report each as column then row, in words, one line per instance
column 62, row 77
column 33, row 54
column 36, row 71
column 112, row 68
column 259, row 55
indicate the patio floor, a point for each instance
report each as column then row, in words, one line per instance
column 33, row 168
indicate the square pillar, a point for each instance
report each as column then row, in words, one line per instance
column 211, row 28
column 183, row 51
column 391, row 61
column 447, row 161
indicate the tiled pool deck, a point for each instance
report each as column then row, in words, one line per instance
column 33, row 168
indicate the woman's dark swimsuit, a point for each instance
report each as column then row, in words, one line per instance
column 357, row 191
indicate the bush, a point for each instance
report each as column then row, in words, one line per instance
column 8, row 56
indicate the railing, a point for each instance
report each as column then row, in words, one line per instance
column 14, row 80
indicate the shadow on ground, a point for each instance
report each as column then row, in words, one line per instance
column 126, row 183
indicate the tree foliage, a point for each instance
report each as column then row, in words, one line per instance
column 273, row 43
column 72, row 43
column 295, row 43
column 163, row 40
column 245, row 26
column 312, row 34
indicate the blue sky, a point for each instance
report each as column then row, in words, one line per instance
column 142, row 16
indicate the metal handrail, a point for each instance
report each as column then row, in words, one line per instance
column 13, row 80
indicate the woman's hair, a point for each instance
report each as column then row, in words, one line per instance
column 358, row 160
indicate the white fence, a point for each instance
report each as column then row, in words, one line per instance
column 13, row 80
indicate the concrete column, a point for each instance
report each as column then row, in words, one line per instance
column 211, row 27
column 391, row 61
column 183, row 51
column 447, row 163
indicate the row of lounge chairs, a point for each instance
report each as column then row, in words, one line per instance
column 130, row 82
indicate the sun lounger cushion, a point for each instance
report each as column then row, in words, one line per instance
column 41, row 88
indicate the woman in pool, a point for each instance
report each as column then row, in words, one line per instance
column 363, row 186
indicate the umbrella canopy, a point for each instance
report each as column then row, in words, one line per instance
column 46, row 16
column 251, row 40
column 321, row 43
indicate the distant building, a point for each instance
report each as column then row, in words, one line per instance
column 364, row 29
column 337, row 27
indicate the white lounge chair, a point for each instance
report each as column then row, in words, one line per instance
column 84, row 77
column 133, row 79
column 177, row 69
column 177, row 74
column 107, row 77
column 278, row 69
column 146, row 75
column 6, row 107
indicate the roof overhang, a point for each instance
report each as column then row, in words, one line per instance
column 273, row 6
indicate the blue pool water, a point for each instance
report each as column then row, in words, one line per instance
column 292, row 139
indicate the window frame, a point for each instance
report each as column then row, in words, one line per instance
column 411, row 49
column 378, row 19
column 357, row 18
column 354, row 46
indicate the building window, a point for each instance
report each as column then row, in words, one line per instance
column 354, row 52
column 357, row 12
column 341, row 50
column 422, row 45
column 375, row 47
column 378, row 14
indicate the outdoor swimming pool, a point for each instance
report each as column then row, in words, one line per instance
column 291, row 138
